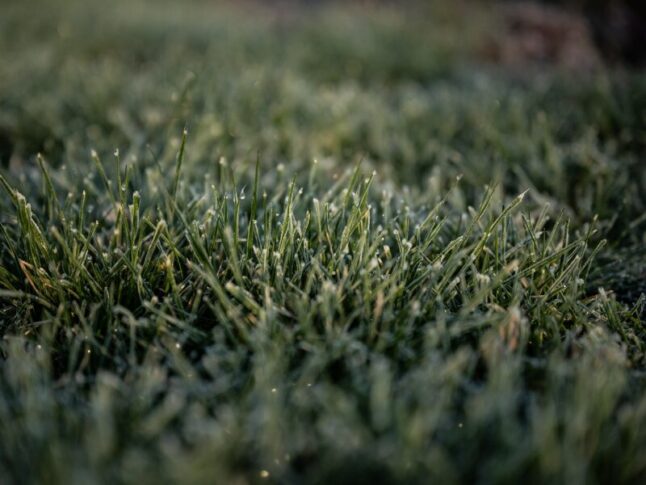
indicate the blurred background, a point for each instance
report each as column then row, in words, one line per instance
column 352, row 40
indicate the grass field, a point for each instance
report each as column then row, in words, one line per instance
column 249, row 245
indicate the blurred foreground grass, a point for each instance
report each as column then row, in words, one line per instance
column 331, row 274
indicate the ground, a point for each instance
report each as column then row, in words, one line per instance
column 343, row 243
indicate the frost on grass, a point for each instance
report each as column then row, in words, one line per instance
column 337, row 274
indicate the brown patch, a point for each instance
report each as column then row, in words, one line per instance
column 540, row 34
column 379, row 305
column 510, row 331
column 26, row 268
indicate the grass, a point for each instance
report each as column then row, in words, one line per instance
column 242, row 247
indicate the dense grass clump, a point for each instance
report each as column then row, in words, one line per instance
column 318, row 246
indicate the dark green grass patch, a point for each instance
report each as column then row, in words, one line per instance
column 367, row 258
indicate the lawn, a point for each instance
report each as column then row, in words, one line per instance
column 244, row 243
